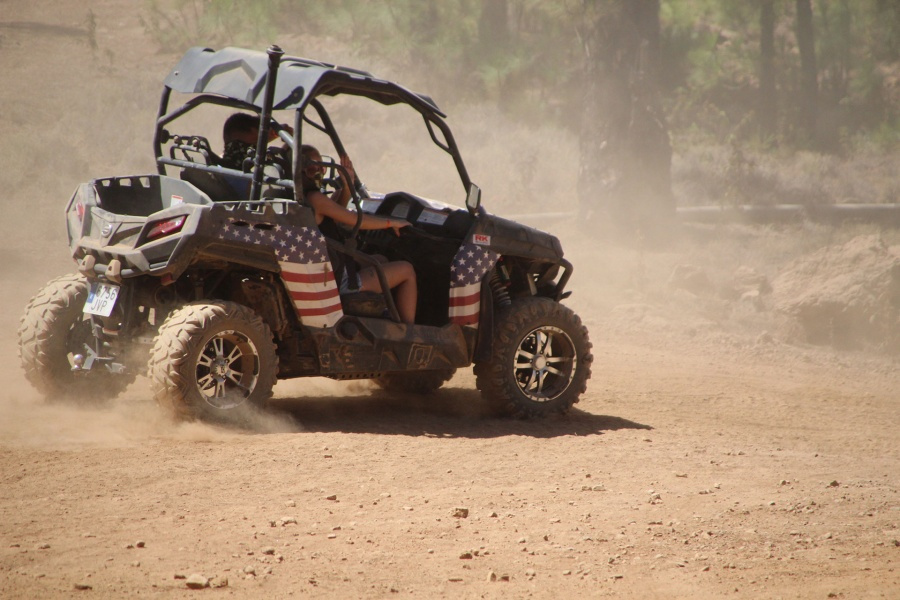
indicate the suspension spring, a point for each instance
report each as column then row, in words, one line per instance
column 499, row 291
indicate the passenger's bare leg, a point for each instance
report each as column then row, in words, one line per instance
column 401, row 277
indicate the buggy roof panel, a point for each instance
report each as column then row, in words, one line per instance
column 240, row 75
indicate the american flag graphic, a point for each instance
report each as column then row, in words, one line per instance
column 305, row 267
column 469, row 267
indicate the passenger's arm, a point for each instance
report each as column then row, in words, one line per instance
column 326, row 207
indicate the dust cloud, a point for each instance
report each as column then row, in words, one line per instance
column 102, row 126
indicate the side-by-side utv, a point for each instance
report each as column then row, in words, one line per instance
column 218, row 282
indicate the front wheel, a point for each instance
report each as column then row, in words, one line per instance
column 211, row 359
column 541, row 359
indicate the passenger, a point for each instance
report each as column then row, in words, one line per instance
column 400, row 275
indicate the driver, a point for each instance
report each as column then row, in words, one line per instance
column 239, row 134
column 400, row 275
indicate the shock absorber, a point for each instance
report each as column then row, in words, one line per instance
column 498, row 289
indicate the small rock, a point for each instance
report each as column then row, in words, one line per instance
column 268, row 550
column 492, row 576
column 680, row 474
column 466, row 555
column 83, row 586
column 460, row 512
column 136, row 563
column 249, row 570
column 331, row 497
column 219, row 582
column 288, row 521
column 180, row 576
column 197, row 582
column 290, row 503
column 834, row 484
column 455, row 579
column 530, row 573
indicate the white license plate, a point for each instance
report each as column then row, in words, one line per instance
column 101, row 299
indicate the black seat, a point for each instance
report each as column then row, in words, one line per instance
column 212, row 184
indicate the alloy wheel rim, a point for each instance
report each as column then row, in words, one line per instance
column 227, row 369
column 544, row 363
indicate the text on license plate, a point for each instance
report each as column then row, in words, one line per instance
column 101, row 299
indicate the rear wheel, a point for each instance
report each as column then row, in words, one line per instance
column 54, row 326
column 419, row 382
column 212, row 359
column 541, row 360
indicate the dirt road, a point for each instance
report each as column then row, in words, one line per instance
column 710, row 457
column 685, row 472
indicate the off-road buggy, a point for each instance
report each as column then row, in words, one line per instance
column 227, row 291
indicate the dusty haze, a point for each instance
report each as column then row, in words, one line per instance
column 738, row 437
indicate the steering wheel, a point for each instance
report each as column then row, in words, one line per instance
column 280, row 158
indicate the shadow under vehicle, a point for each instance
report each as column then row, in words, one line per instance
column 217, row 280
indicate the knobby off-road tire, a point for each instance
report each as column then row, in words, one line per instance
column 53, row 326
column 211, row 360
column 541, row 360
column 419, row 382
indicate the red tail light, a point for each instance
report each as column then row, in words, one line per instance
column 167, row 227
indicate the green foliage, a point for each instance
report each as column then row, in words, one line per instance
column 529, row 55
column 179, row 24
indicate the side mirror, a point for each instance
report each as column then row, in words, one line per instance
column 473, row 199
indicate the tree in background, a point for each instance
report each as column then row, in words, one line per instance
column 625, row 167
column 767, row 115
column 808, row 107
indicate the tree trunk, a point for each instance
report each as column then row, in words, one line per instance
column 809, row 88
column 626, row 157
column 493, row 26
column 768, row 106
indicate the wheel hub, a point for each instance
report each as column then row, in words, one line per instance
column 219, row 368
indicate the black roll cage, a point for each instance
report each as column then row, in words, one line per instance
column 332, row 81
